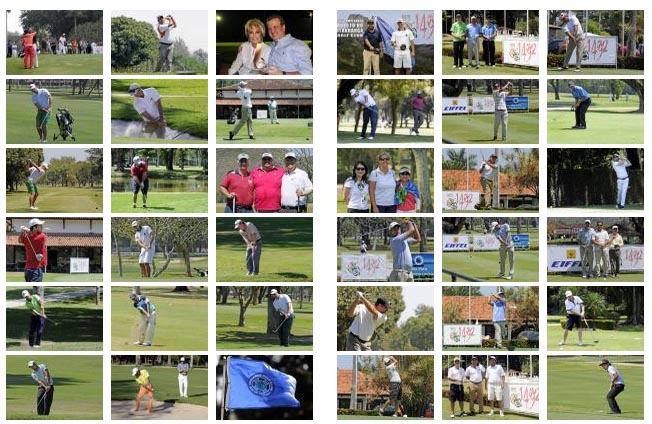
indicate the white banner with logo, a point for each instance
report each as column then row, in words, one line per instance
column 462, row 335
column 522, row 395
column 483, row 104
column 566, row 258
column 455, row 243
column 485, row 242
column 460, row 200
column 367, row 267
column 598, row 50
column 79, row 265
column 521, row 51
column 451, row 105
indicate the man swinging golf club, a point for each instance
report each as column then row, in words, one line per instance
column 366, row 318
column 45, row 391
column 146, row 388
column 148, row 315
column 574, row 315
column 617, row 385
column 34, row 240
column 35, row 173
column 283, row 305
column 43, row 102
column 36, row 307
column 254, row 241
column 145, row 239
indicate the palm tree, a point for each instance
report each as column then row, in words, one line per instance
column 457, row 159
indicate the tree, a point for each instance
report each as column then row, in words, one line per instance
column 461, row 291
column 17, row 165
column 638, row 86
column 415, row 333
column 246, row 295
column 422, row 172
column 523, row 169
column 457, row 159
column 132, row 42
column 555, row 86
column 56, row 22
column 395, row 91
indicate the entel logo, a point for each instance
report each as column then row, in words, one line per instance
column 565, row 264
column 455, row 108
column 456, row 245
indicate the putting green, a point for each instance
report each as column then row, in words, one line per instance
column 604, row 127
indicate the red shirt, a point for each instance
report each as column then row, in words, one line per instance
column 410, row 203
column 138, row 170
column 38, row 241
column 241, row 185
column 267, row 186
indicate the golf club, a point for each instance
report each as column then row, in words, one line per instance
column 595, row 340
column 233, row 204
column 280, row 325
column 34, row 410
column 52, row 321
column 39, row 256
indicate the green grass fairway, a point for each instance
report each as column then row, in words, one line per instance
column 164, row 379
column 289, row 131
column 79, row 322
column 612, row 70
column 286, row 255
column 253, row 335
column 54, row 64
column 446, row 415
column 49, row 277
column 603, row 127
column 634, row 277
column 176, row 271
column 21, row 118
column 522, row 128
column 485, row 265
column 77, row 381
column 345, row 135
column 626, row 339
column 447, row 68
column 585, row 398
column 181, row 323
column 375, row 417
column 57, row 200
column 163, row 202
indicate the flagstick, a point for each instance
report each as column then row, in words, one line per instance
column 226, row 364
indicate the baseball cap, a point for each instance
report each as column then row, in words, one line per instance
column 133, row 295
column 243, row 156
column 136, row 159
column 493, row 225
column 242, row 83
column 370, row 21
column 352, row 91
column 568, row 293
column 290, row 155
column 267, row 155
column 133, row 87
column 134, row 371
column 35, row 221
column 562, row 15
column 394, row 224
column 45, row 165
column 616, row 155
column 32, row 86
column 474, row 357
column 387, row 360
column 604, row 361
column 456, row 359
column 24, row 293
column 238, row 222
column 271, row 97
column 381, row 301
column 500, row 292
column 30, row 364
column 134, row 223
column 273, row 291
column 587, row 221
column 403, row 170
column 400, row 21
column 571, row 84
column 472, row 18
column 615, row 227
column 182, row 359
column 492, row 357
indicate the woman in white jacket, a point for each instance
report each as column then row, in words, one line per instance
column 253, row 54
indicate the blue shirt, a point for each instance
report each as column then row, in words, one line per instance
column 145, row 304
column 579, row 93
column 585, row 236
column 183, row 368
column 401, row 255
column 375, row 38
column 489, row 31
column 502, row 233
column 291, row 55
column 499, row 310
column 473, row 31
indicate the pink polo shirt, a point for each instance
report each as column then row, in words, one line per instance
column 241, row 185
column 267, row 188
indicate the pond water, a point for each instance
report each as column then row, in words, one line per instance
column 123, row 185
column 120, row 128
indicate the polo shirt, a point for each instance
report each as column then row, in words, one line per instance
column 267, row 188
column 241, row 185
column 364, row 324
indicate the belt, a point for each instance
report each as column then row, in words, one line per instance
column 290, row 207
column 626, row 178
column 165, row 44
column 457, row 384
column 363, row 341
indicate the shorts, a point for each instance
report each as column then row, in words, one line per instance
column 456, row 393
column 31, row 187
column 402, row 59
column 42, row 118
column 573, row 320
column 146, row 255
column 135, row 187
column 395, row 390
column 494, row 392
column 33, row 275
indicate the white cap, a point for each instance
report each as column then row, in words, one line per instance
column 267, row 155
column 352, row 91
column 136, row 159
column 615, row 227
column 457, row 358
column 404, row 169
column 238, row 222
column 493, row 225
column 45, row 165
column 243, row 156
column 242, row 83
column 387, row 360
column 273, row 291
column 182, row 359
column 492, row 357
column 400, row 21
column 30, row 364
column 32, row 86
column 35, row 221
column 587, row 221
column 24, row 293
column 133, row 295
column 134, row 223
column 568, row 293
column 133, row 87
column 290, row 155
column 134, row 371
column 394, row 224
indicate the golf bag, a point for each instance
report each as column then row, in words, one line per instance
column 64, row 121
column 388, row 411
column 233, row 118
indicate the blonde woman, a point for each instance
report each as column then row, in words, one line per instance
column 253, row 54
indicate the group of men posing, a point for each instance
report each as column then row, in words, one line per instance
column 599, row 250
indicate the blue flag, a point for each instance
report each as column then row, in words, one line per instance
column 256, row 385
column 386, row 31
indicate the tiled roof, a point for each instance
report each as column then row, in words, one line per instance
column 63, row 240
column 263, row 102
column 479, row 306
column 459, row 179
column 364, row 384
column 268, row 84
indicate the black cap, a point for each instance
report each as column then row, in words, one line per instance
column 381, row 301
column 605, row 361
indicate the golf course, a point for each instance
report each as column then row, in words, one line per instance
column 57, row 277
column 176, row 270
column 346, row 135
column 86, row 111
column 78, row 381
column 181, row 323
column 288, row 131
column 523, row 128
column 286, row 255
column 585, row 399
column 57, row 200
column 74, row 320
column 56, row 64
column 253, row 336
column 595, row 339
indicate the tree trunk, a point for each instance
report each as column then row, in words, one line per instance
column 186, row 260
column 117, row 252
column 555, row 86
column 169, row 159
column 422, row 173
column 181, row 289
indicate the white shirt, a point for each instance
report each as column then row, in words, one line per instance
column 147, row 103
column 41, row 98
column 290, row 183
column 611, row 370
column 244, row 62
column 146, row 236
column 573, row 26
column 456, row 375
column 402, row 37
column 245, row 96
column 385, row 186
column 251, row 232
column 34, row 174
column 499, row 100
column 283, row 304
column 487, row 171
column 392, row 373
column 39, row 375
column 475, row 374
column 495, row 374
column 363, row 324
column 573, row 306
column 364, row 98
column 601, row 237
column 166, row 38
column 620, row 168
column 358, row 194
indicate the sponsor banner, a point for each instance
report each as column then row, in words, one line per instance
column 261, row 113
column 352, row 24
column 522, row 395
column 518, row 103
column 521, row 241
column 566, row 258
column 460, row 200
column 485, row 242
column 79, row 265
column 598, row 50
column 455, row 243
column 521, row 51
column 366, row 266
column 462, row 335
column 451, row 105
column 423, row 264
column 483, row 104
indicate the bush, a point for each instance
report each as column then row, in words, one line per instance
column 624, row 62
column 448, row 51
column 343, row 411
column 132, row 42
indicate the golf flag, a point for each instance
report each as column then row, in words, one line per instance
column 386, row 31
column 256, row 385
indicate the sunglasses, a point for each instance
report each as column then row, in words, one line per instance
column 404, row 173
column 383, row 159
column 267, row 159
column 360, row 169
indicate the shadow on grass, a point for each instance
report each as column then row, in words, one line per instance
column 14, row 380
column 291, row 275
column 245, row 337
column 74, row 324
